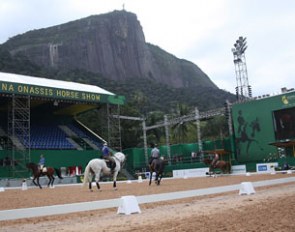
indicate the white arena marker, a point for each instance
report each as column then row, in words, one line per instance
column 24, row 185
column 2, row 189
column 139, row 179
column 289, row 172
column 248, row 174
column 246, row 188
column 128, row 205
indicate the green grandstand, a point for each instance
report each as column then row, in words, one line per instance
column 38, row 116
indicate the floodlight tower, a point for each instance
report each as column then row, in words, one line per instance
column 243, row 89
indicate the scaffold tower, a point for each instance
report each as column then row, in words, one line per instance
column 19, row 133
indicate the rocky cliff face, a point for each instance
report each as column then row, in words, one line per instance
column 112, row 45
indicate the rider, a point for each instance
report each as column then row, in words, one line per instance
column 41, row 162
column 107, row 155
column 215, row 160
column 155, row 153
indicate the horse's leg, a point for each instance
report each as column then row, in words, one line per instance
column 151, row 175
column 49, row 178
column 160, row 178
column 115, row 180
column 97, row 178
column 223, row 169
column 157, row 178
column 97, row 185
column 228, row 166
column 34, row 181
column 90, row 177
column 39, row 183
column 90, row 185
column 210, row 170
column 53, row 178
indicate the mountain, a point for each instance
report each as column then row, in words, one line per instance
column 112, row 48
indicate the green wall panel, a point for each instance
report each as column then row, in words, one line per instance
column 254, row 126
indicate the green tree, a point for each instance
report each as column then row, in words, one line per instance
column 180, row 130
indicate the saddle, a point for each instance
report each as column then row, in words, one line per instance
column 111, row 163
column 215, row 164
column 44, row 169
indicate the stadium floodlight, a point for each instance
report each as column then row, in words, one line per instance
column 240, row 46
column 243, row 91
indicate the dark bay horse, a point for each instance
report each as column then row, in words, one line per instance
column 224, row 166
column 37, row 173
column 157, row 166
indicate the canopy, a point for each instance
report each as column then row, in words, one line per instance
column 48, row 88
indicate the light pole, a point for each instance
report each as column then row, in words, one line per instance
column 243, row 89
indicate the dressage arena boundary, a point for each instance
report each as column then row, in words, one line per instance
column 112, row 203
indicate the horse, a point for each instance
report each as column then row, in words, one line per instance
column 224, row 166
column 48, row 171
column 157, row 166
column 97, row 166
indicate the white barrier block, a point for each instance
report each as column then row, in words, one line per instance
column 24, row 185
column 289, row 172
column 246, row 188
column 128, row 205
column 248, row 174
column 129, row 182
column 2, row 189
column 139, row 179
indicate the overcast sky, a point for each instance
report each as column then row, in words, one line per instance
column 201, row 31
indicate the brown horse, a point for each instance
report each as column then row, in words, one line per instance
column 224, row 166
column 37, row 173
column 157, row 166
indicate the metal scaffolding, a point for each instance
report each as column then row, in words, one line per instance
column 195, row 116
column 19, row 133
column 114, row 127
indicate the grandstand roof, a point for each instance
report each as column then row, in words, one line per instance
column 49, row 88
column 16, row 78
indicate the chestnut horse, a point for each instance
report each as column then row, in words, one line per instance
column 224, row 166
column 37, row 173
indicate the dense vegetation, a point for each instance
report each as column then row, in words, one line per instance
column 145, row 98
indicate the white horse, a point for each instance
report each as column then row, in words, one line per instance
column 97, row 166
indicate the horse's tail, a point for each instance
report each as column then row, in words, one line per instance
column 86, row 175
column 58, row 173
